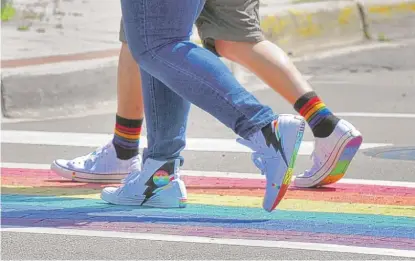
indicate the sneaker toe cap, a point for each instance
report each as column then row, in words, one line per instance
column 61, row 163
column 109, row 195
column 109, row 190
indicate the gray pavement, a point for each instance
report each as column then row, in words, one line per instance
column 49, row 247
column 378, row 80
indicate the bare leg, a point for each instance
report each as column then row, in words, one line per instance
column 273, row 66
column 269, row 63
column 130, row 98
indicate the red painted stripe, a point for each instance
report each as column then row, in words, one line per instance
column 309, row 105
column 34, row 177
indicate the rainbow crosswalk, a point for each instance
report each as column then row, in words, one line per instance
column 378, row 216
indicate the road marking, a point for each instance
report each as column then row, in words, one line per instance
column 375, row 115
column 60, row 68
column 111, row 108
column 217, row 241
column 99, row 139
column 336, row 52
column 237, row 175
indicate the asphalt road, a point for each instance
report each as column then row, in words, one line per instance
column 372, row 87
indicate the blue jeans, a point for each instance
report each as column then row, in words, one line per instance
column 175, row 71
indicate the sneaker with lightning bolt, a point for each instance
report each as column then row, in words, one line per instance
column 158, row 184
column 275, row 150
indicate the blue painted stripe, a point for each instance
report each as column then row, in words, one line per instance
column 211, row 216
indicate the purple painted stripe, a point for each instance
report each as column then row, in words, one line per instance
column 258, row 234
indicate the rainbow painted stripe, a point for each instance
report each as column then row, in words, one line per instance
column 356, row 215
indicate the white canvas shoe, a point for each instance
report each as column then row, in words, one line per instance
column 100, row 166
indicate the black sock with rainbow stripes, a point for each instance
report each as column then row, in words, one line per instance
column 320, row 119
column 126, row 137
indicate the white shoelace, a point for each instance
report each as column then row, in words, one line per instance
column 91, row 158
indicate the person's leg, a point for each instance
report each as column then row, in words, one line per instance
column 231, row 29
column 158, row 34
column 166, row 119
column 129, row 91
column 166, row 114
column 157, row 183
column 129, row 116
column 112, row 162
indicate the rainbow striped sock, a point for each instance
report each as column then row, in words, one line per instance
column 126, row 137
column 320, row 119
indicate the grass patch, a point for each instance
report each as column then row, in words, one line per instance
column 23, row 28
column 383, row 38
column 7, row 13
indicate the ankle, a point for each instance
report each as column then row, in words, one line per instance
column 126, row 137
column 319, row 118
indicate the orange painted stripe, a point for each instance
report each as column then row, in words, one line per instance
column 334, row 196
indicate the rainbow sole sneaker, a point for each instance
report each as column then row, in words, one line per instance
column 332, row 156
column 275, row 152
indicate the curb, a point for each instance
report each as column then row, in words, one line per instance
column 309, row 27
column 297, row 29
column 385, row 16
column 58, row 94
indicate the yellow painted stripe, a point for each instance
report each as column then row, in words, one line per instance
column 304, row 205
column 314, row 109
column 238, row 201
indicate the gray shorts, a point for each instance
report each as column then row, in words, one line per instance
column 229, row 20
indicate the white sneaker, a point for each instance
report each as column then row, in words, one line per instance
column 100, row 166
column 158, row 184
column 275, row 152
column 331, row 156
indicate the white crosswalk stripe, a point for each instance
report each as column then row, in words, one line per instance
column 95, row 140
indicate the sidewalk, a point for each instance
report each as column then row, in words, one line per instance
column 47, row 28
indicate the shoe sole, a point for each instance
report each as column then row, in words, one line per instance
column 173, row 195
column 86, row 177
column 339, row 161
column 286, row 181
